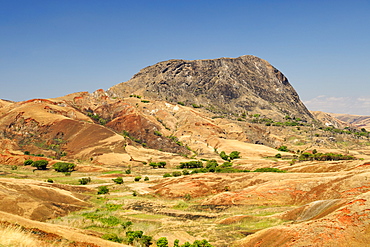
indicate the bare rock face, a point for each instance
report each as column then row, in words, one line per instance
column 224, row 85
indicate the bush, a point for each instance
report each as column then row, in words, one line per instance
column 283, row 149
column 176, row 174
column 64, row 167
column 157, row 133
column 278, row 155
column 112, row 237
column 28, row 162
column 153, row 165
column 137, row 178
column 191, row 164
column 146, row 178
column 128, row 171
column 84, row 181
column 103, row 190
column 146, row 241
column 131, row 236
column 268, row 169
column 126, row 224
column 185, row 172
column 118, row 180
column 50, row 180
column 167, row 175
column 234, row 155
column 40, row 164
column 162, row 242
column 14, row 167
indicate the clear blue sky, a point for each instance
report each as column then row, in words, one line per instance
column 49, row 48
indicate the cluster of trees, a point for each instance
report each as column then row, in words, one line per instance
column 39, row 164
column 160, row 164
column 233, row 155
column 163, row 242
column 191, row 164
column 211, row 166
column 348, row 131
column 324, row 156
column 269, row 122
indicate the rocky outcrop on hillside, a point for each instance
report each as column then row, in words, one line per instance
column 224, row 86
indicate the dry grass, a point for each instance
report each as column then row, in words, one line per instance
column 15, row 236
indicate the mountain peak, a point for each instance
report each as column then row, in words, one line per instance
column 246, row 84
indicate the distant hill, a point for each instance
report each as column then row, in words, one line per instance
column 328, row 119
column 226, row 86
column 357, row 120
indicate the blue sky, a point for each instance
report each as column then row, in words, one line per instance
column 55, row 47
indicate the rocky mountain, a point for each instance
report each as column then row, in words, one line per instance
column 224, row 86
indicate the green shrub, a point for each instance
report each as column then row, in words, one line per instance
column 157, row 133
column 181, row 103
column 185, row 172
column 153, row 165
column 112, row 237
column 167, row 175
column 146, row 178
column 283, row 149
column 14, row 167
column 234, row 155
column 40, row 164
column 191, row 164
column 128, row 171
column 110, row 221
column 131, row 236
column 162, row 242
column 176, row 174
column 137, row 178
column 278, row 155
column 50, row 180
column 64, row 167
column 196, row 106
column 118, row 180
column 268, row 169
column 103, row 190
column 28, row 162
column 146, row 241
column 84, row 181
column 126, row 224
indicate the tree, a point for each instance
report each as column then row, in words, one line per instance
column 224, row 156
column 153, row 165
column 84, row 181
column 146, row 240
column 64, row 167
column 234, row 155
column 103, row 190
column 283, row 148
column 162, row 164
column 40, row 164
column 28, row 162
column 162, row 242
